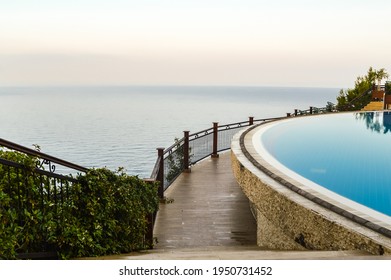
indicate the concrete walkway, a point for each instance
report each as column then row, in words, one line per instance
column 209, row 218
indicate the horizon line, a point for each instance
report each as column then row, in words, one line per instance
column 164, row 85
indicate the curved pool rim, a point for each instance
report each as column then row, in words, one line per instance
column 345, row 207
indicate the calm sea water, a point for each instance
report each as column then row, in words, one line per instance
column 346, row 153
column 123, row 126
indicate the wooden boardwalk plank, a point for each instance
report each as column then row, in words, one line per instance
column 208, row 209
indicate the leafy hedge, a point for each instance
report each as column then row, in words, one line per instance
column 104, row 213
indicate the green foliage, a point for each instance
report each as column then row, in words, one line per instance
column 330, row 107
column 20, row 216
column 388, row 87
column 104, row 213
column 176, row 161
column 380, row 75
column 112, row 209
column 357, row 98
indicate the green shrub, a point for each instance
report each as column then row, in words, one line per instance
column 112, row 208
column 104, row 213
column 21, row 216
column 388, row 87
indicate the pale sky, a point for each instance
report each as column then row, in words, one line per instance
column 184, row 42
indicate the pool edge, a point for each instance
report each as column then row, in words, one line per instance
column 290, row 218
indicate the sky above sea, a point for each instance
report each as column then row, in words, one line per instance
column 216, row 42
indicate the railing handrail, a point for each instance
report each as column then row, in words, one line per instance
column 269, row 119
column 32, row 152
column 232, row 125
column 173, row 145
column 155, row 170
column 314, row 110
column 205, row 132
column 37, row 170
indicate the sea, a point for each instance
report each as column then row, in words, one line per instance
column 122, row 126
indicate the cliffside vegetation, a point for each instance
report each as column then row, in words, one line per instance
column 357, row 97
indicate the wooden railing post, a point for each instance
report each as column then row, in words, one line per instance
column 250, row 120
column 160, row 176
column 215, row 139
column 186, row 156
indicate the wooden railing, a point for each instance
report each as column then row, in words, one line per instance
column 192, row 148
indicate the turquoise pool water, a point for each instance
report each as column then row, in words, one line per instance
column 349, row 154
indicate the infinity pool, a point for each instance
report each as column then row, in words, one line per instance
column 348, row 154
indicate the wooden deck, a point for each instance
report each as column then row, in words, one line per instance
column 208, row 208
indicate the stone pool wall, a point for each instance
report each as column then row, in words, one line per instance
column 288, row 221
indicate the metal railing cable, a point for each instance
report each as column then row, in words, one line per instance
column 45, row 158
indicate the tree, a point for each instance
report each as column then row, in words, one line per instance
column 359, row 96
column 380, row 75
